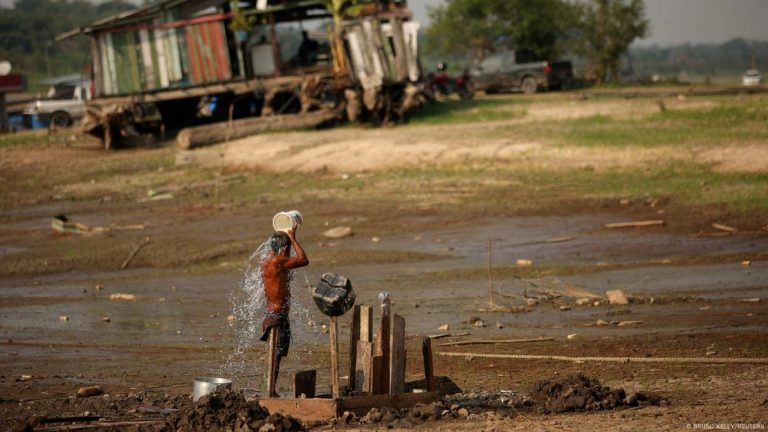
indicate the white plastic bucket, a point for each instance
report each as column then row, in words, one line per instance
column 288, row 220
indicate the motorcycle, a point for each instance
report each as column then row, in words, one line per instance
column 441, row 83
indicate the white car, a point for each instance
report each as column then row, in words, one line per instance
column 64, row 102
column 752, row 78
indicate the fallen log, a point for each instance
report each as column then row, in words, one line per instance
column 199, row 136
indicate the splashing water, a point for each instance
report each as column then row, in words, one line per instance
column 248, row 302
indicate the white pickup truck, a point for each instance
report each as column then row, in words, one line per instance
column 63, row 103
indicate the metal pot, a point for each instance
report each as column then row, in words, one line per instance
column 207, row 385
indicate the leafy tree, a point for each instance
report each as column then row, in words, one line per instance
column 27, row 33
column 480, row 27
column 608, row 29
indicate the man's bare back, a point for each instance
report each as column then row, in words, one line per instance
column 276, row 275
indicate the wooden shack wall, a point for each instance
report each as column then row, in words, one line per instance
column 154, row 56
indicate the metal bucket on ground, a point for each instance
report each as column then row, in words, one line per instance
column 208, row 385
column 287, row 220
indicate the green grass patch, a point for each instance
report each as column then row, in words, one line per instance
column 469, row 111
column 713, row 126
column 14, row 139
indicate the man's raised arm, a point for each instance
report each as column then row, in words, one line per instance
column 300, row 260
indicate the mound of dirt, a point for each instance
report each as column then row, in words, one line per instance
column 228, row 411
column 580, row 393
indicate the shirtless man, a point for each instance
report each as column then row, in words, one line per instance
column 276, row 274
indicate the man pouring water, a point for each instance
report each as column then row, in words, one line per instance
column 276, row 271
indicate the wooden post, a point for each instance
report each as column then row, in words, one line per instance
column 491, row 305
column 334, row 359
column 397, row 356
column 377, row 376
column 354, row 337
column 366, row 323
column 429, row 373
column 363, row 370
column 304, row 384
column 383, row 342
column 270, row 377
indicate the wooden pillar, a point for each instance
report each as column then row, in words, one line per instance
column 429, row 373
column 361, row 348
column 382, row 340
column 397, row 356
column 275, row 45
column 270, row 377
column 334, row 359
column 354, row 337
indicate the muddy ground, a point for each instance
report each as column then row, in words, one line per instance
column 694, row 290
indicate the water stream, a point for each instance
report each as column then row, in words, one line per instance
column 245, row 364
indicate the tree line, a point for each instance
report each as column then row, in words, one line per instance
column 600, row 31
column 28, row 29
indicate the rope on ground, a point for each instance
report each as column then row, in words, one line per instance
column 610, row 359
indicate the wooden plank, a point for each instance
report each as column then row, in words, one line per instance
column 304, row 409
column 377, row 375
column 354, row 336
column 401, row 64
column 363, row 369
column 383, row 342
column 429, row 373
column 495, row 341
column 366, row 323
column 334, row 358
column 635, row 224
column 304, row 383
column 163, row 66
column 147, row 64
column 397, row 356
column 360, row 405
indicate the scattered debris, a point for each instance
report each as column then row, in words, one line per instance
column 471, row 320
column 579, row 393
column 601, row 323
column 24, row 378
column 583, row 301
column 338, row 232
column 561, row 239
column 89, row 391
column 565, row 308
column 231, row 318
column 64, row 318
column 480, row 323
column 99, row 287
column 746, row 263
column 134, row 252
column 628, row 323
column 616, row 297
column 106, row 319
column 635, row 224
column 571, row 336
column 751, row 300
column 376, row 239
column 62, row 224
column 726, row 228
column 444, row 327
column 531, row 302
column 121, row 296
column 524, row 263
column 499, row 325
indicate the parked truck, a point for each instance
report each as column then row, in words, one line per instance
column 513, row 71
column 217, row 70
column 63, row 103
